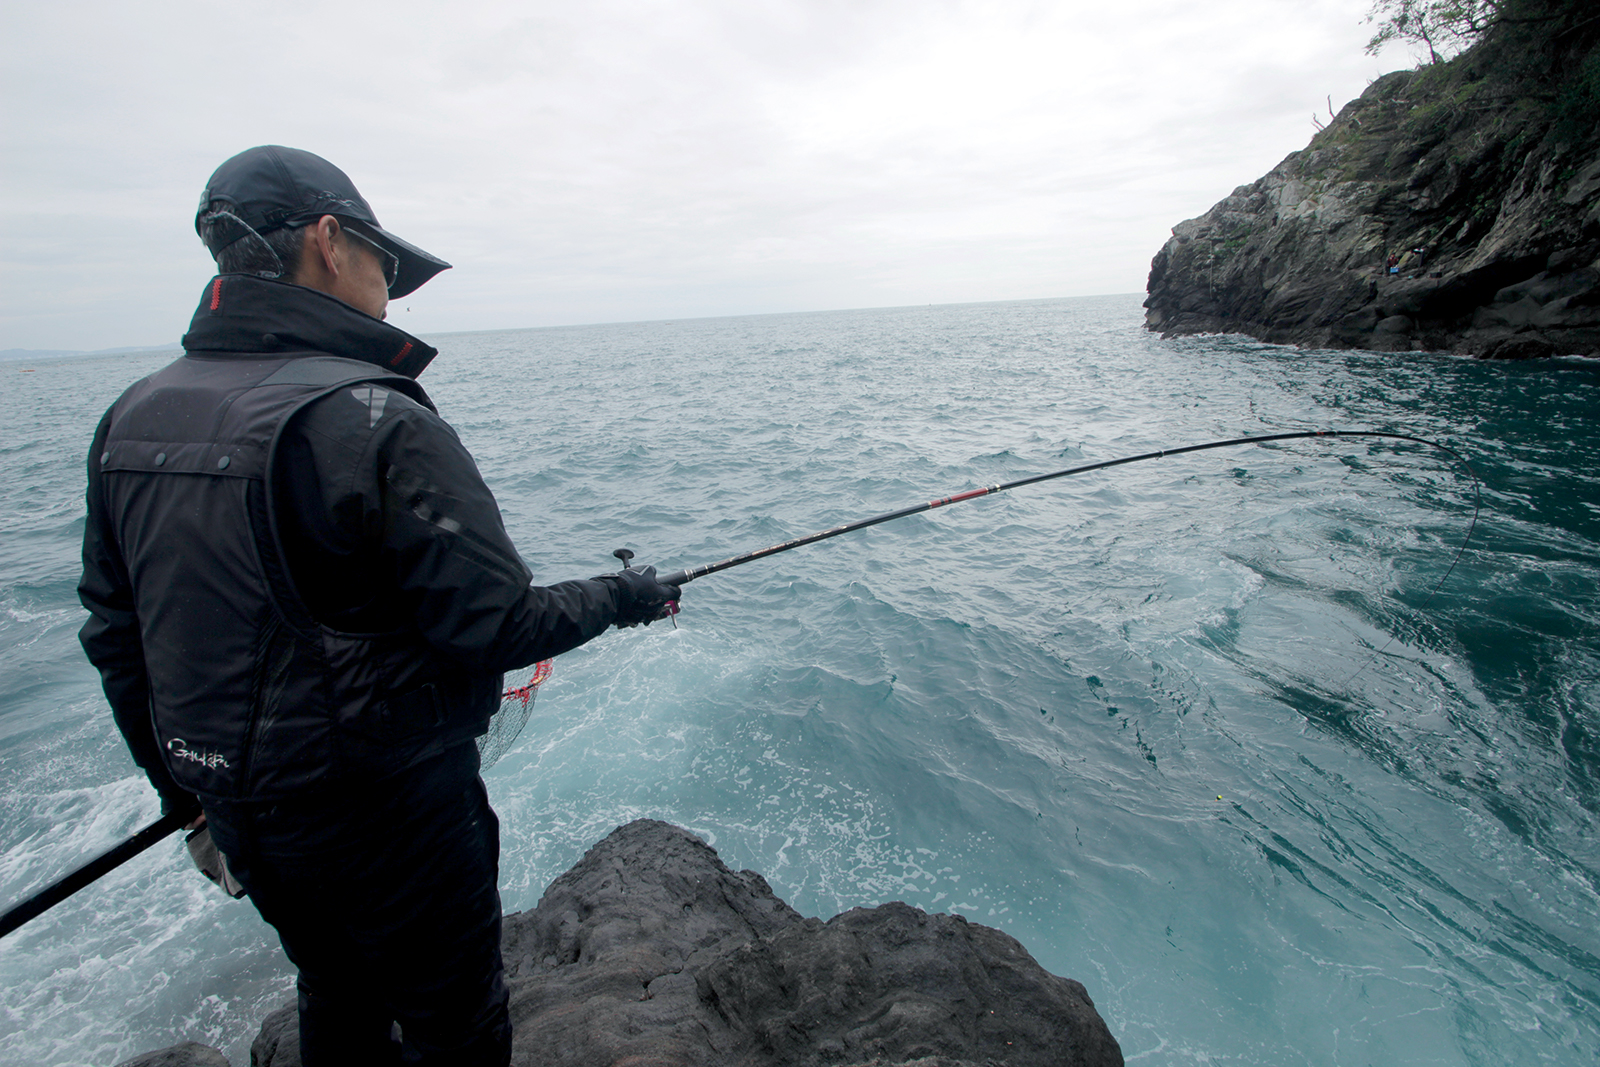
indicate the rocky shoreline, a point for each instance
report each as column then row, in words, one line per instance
column 651, row 951
column 1451, row 208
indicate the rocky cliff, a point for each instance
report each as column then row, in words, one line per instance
column 1479, row 177
column 650, row 951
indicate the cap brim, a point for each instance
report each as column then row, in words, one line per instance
column 416, row 266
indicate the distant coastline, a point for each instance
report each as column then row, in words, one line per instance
column 10, row 355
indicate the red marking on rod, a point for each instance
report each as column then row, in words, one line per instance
column 968, row 495
column 395, row 362
column 216, row 294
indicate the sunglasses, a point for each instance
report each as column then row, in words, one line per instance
column 390, row 261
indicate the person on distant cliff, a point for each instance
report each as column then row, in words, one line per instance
column 302, row 598
column 1394, row 263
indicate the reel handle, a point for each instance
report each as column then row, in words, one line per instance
column 675, row 578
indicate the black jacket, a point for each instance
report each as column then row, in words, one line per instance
column 296, row 575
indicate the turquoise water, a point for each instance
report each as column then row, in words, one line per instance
column 1192, row 730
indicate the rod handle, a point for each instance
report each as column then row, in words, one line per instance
column 107, row 861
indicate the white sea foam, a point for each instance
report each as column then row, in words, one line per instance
column 1190, row 730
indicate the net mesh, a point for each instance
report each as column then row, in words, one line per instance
column 516, row 705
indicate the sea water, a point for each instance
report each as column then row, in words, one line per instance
column 1206, row 733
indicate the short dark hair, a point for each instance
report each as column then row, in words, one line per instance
column 274, row 254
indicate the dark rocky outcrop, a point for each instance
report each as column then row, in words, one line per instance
column 651, row 952
column 1482, row 175
column 188, row 1054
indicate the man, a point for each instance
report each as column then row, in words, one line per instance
column 302, row 599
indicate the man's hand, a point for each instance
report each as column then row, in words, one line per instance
column 640, row 598
column 173, row 799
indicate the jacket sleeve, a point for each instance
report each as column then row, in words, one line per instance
column 111, row 638
column 410, row 508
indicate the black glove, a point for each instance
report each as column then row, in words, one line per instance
column 181, row 802
column 640, row 598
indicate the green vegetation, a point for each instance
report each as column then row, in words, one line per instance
column 1230, row 246
column 1533, row 65
column 1448, row 24
column 1448, row 27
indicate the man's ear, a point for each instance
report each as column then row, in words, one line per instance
column 322, row 256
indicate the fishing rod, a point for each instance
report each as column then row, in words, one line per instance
column 122, row 853
column 101, row 865
column 685, row 576
column 517, row 700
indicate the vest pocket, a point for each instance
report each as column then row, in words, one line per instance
column 409, row 714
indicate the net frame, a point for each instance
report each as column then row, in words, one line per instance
column 516, row 707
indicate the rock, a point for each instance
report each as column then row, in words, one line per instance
column 278, row 1043
column 1520, row 348
column 601, row 970
column 1475, row 170
column 188, row 1054
column 651, row 952
column 894, row 984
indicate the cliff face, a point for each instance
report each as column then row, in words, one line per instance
column 1481, row 176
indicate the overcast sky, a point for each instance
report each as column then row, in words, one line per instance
column 616, row 160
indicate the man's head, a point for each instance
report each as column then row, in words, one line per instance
column 282, row 212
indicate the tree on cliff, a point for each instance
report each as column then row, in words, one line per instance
column 1454, row 25
column 1447, row 24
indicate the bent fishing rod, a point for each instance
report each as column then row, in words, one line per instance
column 685, row 576
column 122, row 853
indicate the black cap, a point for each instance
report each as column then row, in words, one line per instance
column 270, row 187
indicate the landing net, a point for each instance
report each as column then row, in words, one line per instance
column 516, row 705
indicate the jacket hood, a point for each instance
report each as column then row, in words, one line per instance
column 250, row 316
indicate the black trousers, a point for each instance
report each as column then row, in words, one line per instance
column 387, row 901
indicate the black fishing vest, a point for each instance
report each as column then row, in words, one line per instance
column 251, row 698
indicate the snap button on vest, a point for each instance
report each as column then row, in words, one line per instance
column 161, row 459
column 270, row 340
column 105, row 457
column 222, row 464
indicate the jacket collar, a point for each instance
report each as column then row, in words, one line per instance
column 241, row 314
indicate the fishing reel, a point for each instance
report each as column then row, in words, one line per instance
column 671, row 608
